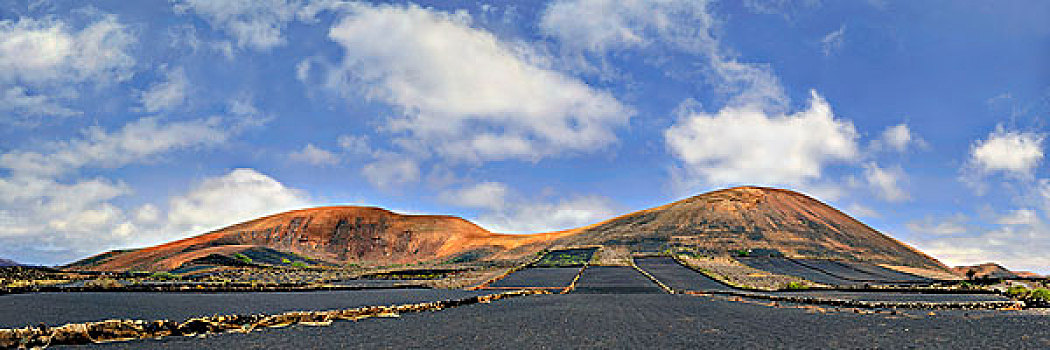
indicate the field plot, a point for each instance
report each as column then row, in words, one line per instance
column 886, row 274
column 20, row 310
column 787, row 267
column 678, row 277
column 838, row 270
column 566, row 258
column 640, row 321
column 538, row 277
column 614, row 280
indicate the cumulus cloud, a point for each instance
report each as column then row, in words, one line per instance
column 897, row 138
column 504, row 211
column 314, row 155
column 43, row 60
column 51, row 212
column 886, row 183
column 167, row 94
column 240, row 195
column 1017, row 239
column 1008, row 152
column 746, row 145
column 464, row 94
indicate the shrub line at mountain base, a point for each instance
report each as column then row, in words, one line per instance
column 124, row 330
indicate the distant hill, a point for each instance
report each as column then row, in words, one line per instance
column 742, row 218
column 754, row 218
column 7, row 262
column 334, row 234
column 992, row 270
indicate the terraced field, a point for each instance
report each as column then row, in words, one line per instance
column 785, row 266
column 678, row 277
column 20, row 310
column 615, row 280
column 538, row 277
column 641, row 321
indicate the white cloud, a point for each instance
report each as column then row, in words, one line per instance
column 314, row 155
column 135, row 142
column 168, row 94
column 253, row 24
column 464, row 94
column 746, row 145
column 50, row 212
column 1019, row 241
column 898, row 138
column 832, row 42
column 485, row 195
column 603, row 26
column 859, row 210
column 507, row 212
column 355, row 144
column 1010, row 152
column 950, row 226
column 240, row 195
column 42, row 61
column 885, row 183
column 388, row 171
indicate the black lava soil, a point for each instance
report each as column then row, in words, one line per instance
column 632, row 321
column 20, row 310
column 678, row 277
column 784, row 266
column 614, row 279
column 559, row 277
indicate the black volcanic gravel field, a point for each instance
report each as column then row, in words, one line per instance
column 784, row 266
column 642, row 321
column 614, row 279
column 559, row 277
column 895, row 296
column 678, row 277
column 20, row 310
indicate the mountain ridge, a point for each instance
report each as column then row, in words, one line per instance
column 739, row 218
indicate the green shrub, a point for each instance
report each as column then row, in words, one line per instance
column 164, row 276
column 1042, row 294
column 1017, row 291
column 796, row 285
column 243, row 258
column 299, row 264
column 285, row 261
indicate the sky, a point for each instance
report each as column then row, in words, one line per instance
column 130, row 123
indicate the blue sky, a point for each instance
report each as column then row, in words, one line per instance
column 124, row 124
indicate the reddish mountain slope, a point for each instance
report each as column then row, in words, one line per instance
column 753, row 218
column 335, row 234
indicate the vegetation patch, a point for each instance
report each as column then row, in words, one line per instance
column 566, row 258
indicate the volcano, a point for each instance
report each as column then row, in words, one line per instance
column 753, row 218
column 741, row 218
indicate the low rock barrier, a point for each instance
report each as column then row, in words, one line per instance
column 123, row 330
column 940, row 305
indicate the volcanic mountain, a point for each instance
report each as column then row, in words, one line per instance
column 7, row 262
column 741, row 218
column 333, row 234
column 754, row 218
column 991, row 270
